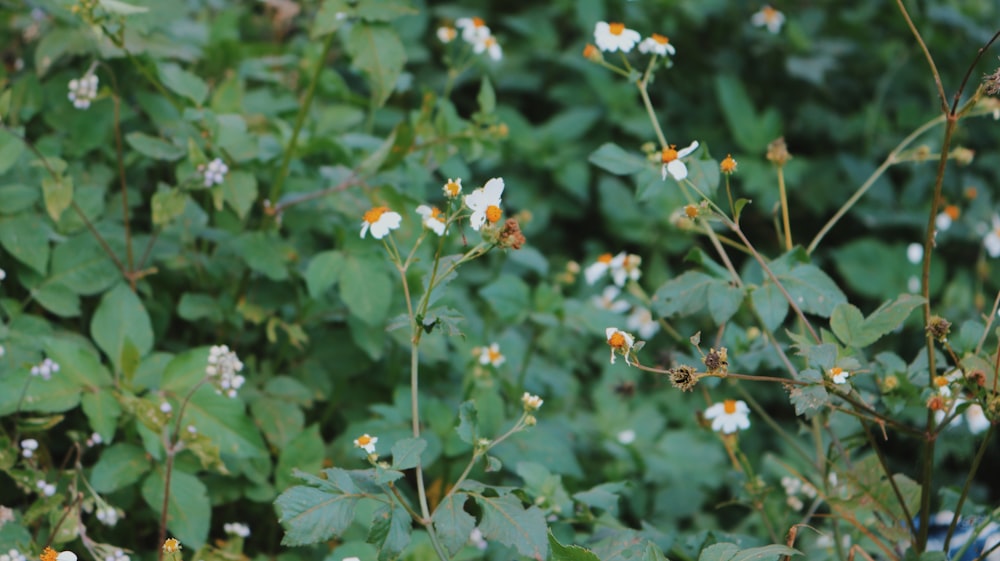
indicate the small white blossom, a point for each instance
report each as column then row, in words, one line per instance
column 433, row 218
column 729, row 416
column 3, row 275
column 838, row 375
column 598, row 268
column 28, row 447
column 625, row 267
column 489, row 355
column 192, row 429
column 107, row 515
column 626, row 437
column 117, row 555
column 236, row 529
column 670, row 157
column 366, row 443
column 45, row 369
column 473, row 29
column 485, row 203
column 381, row 221
column 12, row 555
column 976, row 419
column 477, row 539
column 83, row 90
column 657, row 44
column 768, row 17
column 608, row 300
column 992, row 239
column 942, row 221
column 446, row 33
column 46, row 488
column 166, row 408
column 531, row 402
column 94, row 440
column 642, row 322
column 614, row 36
column 452, row 188
column 914, row 253
column 214, row 173
column 224, row 366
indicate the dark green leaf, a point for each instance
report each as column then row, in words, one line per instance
column 812, row 289
column 508, row 296
column 26, row 238
column 154, row 147
column 323, row 272
column 311, row 515
column 239, row 190
column 366, row 289
column 118, row 317
column 724, row 300
column 614, row 159
column 452, row 523
column 377, row 51
column 770, row 304
column 508, row 522
column 809, row 399
column 390, row 531
column 562, row 552
column 183, row 83
column 189, row 512
column 103, row 411
column 119, row 466
column 406, row 453
column 684, row 294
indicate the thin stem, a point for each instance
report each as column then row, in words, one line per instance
column 649, row 110
column 968, row 483
column 784, row 208
column 300, row 119
column 968, row 73
column 989, row 323
column 930, row 62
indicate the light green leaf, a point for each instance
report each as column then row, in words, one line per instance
column 305, row 451
column 83, row 266
column 452, row 523
column 189, row 512
column 890, row 315
column 468, row 425
column 225, row 422
column 508, row 522
column 366, row 289
column 684, row 294
column 58, row 195
column 121, row 8
column 120, row 316
column 183, row 83
column 103, row 411
column 11, row 148
column 25, row 236
column 323, row 271
column 78, row 364
column 167, row 204
column 329, row 18
column 390, row 531
column 508, row 296
column 54, row 297
column 119, row 466
column 311, row 514
column 614, row 159
column 154, row 147
column 265, row 253
column 239, row 190
column 406, row 453
column 15, row 198
column 770, row 304
column 377, row 51
column 724, row 300
column 562, row 552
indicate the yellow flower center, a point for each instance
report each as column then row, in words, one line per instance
column 453, row 188
column 836, row 371
column 374, row 214
column 364, row 440
column 940, row 381
column 952, row 212
column 450, row 33
column 589, row 51
column 669, row 154
column 48, row 554
column 478, row 22
column 728, row 165
column 729, row 406
column 769, row 13
column 691, row 211
column 661, row 39
column 616, row 28
column 617, row 340
column 493, row 213
column 494, row 355
column 171, row 545
column 490, row 41
column 436, row 214
column 605, row 258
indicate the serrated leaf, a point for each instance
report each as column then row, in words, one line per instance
column 189, row 512
column 809, row 399
column 120, row 316
column 311, row 515
column 724, row 300
column 390, row 531
column 406, row 453
column 684, row 294
column 304, row 451
column 323, row 272
column 812, row 289
column 505, row 520
column 770, row 304
column 562, row 552
column 468, row 422
column 377, row 51
column 154, row 147
column 183, row 83
column 612, row 158
column 452, row 523
column 58, row 195
column 890, row 315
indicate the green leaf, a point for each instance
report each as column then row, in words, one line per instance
column 390, row 531
column 770, row 304
column 329, row 18
column 25, row 237
column 11, row 148
column 377, row 52
column 167, row 204
column 121, row 8
column 15, row 198
column 730, row 552
column 83, row 266
column 854, row 330
column 562, row 552
column 809, row 399
column 189, row 512
column 812, row 289
column 724, row 300
column 239, row 190
column 54, row 297
column 78, row 364
column 103, row 411
column 406, row 453
column 487, row 98
column 612, row 158
column 384, row 10
column 155, row 148
column 508, row 296
column 118, row 317
column 183, row 83
column 224, row 421
column 750, row 131
column 468, row 425
column 194, row 307
column 323, row 271
column 684, row 294
column 119, row 466
column 265, row 253
column 366, row 289
column 311, row 514
column 305, row 451
column 452, row 523
column 58, row 195
column 505, row 520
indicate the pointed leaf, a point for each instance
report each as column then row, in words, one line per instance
column 614, row 159
column 406, row 453
column 452, row 523
column 311, row 515
column 390, row 531
column 58, row 195
column 508, row 522
column 189, row 512
column 377, row 51
column 118, row 317
column 562, row 552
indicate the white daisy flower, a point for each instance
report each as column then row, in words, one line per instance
column 608, row 300
column 621, row 343
column 446, row 33
column 657, row 44
column 489, row 355
column 488, row 45
column 838, row 375
column 433, row 218
column 768, row 17
column 615, row 36
column 380, row 220
column 625, row 267
column 453, row 188
column 485, row 203
column 597, row 269
column 976, row 419
column 729, row 416
column 641, row 321
column 671, row 159
column 473, row 29
column 366, row 443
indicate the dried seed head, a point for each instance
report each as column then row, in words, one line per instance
column 938, row 328
column 936, row 403
column 717, row 361
column 777, row 152
column 683, row 378
column 976, row 376
column 511, row 235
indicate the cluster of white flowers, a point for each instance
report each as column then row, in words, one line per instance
column 12, row 555
column 108, row 515
column 224, row 366
column 531, row 402
column 83, row 90
column 28, row 447
column 46, row 488
column 94, row 440
column 623, row 267
column 236, row 529
column 117, row 555
column 476, row 33
column 793, row 488
column 214, row 173
column 45, row 369
column 476, row 539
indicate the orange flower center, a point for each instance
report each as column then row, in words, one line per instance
column 490, row 41
column 589, row 51
column 669, row 154
column 453, row 188
column 728, row 165
column 617, row 340
column 936, row 403
column 616, row 28
column 729, row 406
column 661, row 39
column 494, row 355
column 940, row 381
column 364, row 440
column 769, row 13
column 436, row 214
column 605, row 258
column 952, row 211
column 691, row 211
column 836, row 371
column 374, row 214
column 493, row 213
column 478, row 22
column 48, row 554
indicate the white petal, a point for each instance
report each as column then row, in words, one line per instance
column 66, row 556
column 691, row 148
column 677, row 169
column 364, row 228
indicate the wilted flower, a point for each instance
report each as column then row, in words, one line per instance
column 433, row 218
column 621, row 343
column 768, row 17
column 485, row 203
column 729, row 416
column 83, row 90
column 381, row 221
column 670, row 157
column 366, row 443
column 511, row 235
column 717, row 360
column 615, row 36
column 657, row 44
column 683, row 377
column 777, row 152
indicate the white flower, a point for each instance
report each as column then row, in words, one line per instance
column 626, row 437
column 366, row 443
column 473, row 29
column 620, row 343
column 976, row 419
column 913, row 284
column 45, row 369
column 3, row 274
column 432, row 218
column 453, row 188
column 608, row 300
column 671, row 159
column 531, row 402
column 83, row 90
column 166, row 408
column 489, row 355
column 613, row 36
column 46, row 488
column 107, row 515
column 485, row 203
column 657, row 44
column 380, row 220
column 943, row 383
column 625, row 267
column 597, row 269
column 214, row 173
column 446, row 33
column 118, row 555
column 28, row 447
column 641, row 321
column 992, row 239
column 236, row 529
column 729, row 416
column 477, row 539
column 838, row 375
column 942, row 221
column 224, row 366
column 769, row 17
column 12, row 555
column 914, row 253
column 488, row 45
